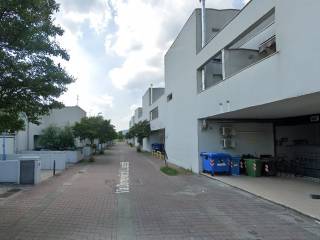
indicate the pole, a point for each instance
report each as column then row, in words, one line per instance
column 54, row 167
column 204, row 35
column 4, row 147
column 151, row 94
column 203, row 22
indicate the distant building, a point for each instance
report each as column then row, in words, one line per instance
column 67, row 116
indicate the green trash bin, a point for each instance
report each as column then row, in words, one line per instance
column 254, row 167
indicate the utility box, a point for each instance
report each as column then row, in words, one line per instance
column 30, row 170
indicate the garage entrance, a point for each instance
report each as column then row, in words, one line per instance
column 297, row 145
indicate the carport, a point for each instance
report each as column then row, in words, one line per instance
column 288, row 130
column 156, row 137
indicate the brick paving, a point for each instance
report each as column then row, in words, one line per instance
column 82, row 203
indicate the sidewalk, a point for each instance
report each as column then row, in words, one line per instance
column 294, row 193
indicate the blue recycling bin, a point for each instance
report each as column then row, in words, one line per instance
column 157, row 147
column 235, row 165
column 213, row 162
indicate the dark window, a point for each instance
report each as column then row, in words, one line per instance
column 169, row 97
column 154, row 114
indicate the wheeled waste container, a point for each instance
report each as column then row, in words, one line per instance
column 254, row 167
column 213, row 162
column 235, row 165
column 157, row 147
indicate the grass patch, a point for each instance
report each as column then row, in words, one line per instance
column 169, row 171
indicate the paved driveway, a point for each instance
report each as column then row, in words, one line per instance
column 123, row 195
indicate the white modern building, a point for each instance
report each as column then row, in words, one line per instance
column 250, row 87
column 67, row 116
column 153, row 110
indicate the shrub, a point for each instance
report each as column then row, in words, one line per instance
column 55, row 138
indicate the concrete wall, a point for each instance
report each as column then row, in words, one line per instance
column 291, row 72
column 250, row 138
column 47, row 158
column 10, row 171
column 217, row 19
column 180, row 80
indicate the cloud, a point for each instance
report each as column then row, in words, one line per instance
column 117, row 49
column 145, row 30
column 96, row 12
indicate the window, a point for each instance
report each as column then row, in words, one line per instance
column 154, row 114
column 169, row 97
column 268, row 47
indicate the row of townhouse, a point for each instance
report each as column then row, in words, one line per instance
column 246, row 82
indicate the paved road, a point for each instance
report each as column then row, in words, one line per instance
column 94, row 202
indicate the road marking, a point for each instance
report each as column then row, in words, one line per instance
column 124, row 183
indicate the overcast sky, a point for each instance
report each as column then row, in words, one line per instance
column 117, row 48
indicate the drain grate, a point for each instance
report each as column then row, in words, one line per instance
column 9, row 193
column 315, row 196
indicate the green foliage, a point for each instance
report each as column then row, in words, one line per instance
column 120, row 136
column 95, row 128
column 67, row 138
column 169, row 171
column 9, row 123
column 30, row 80
column 140, row 130
column 55, row 138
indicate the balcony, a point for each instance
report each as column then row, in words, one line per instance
column 252, row 46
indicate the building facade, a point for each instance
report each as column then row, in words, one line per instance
column 252, row 89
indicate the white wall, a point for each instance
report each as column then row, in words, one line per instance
column 180, row 80
column 47, row 158
column 290, row 73
column 250, row 138
column 10, row 171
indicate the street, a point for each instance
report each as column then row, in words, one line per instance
column 123, row 195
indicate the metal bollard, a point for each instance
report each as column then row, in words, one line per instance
column 54, row 167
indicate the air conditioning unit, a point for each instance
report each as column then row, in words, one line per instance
column 228, row 143
column 227, row 131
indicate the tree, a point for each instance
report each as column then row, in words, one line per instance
column 30, row 80
column 55, row 138
column 49, row 138
column 120, row 136
column 95, row 128
column 67, row 138
column 140, row 130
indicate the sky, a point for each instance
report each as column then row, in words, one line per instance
column 116, row 49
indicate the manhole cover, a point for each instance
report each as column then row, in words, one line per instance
column 315, row 196
column 9, row 193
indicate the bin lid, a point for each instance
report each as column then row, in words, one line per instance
column 215, row 155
